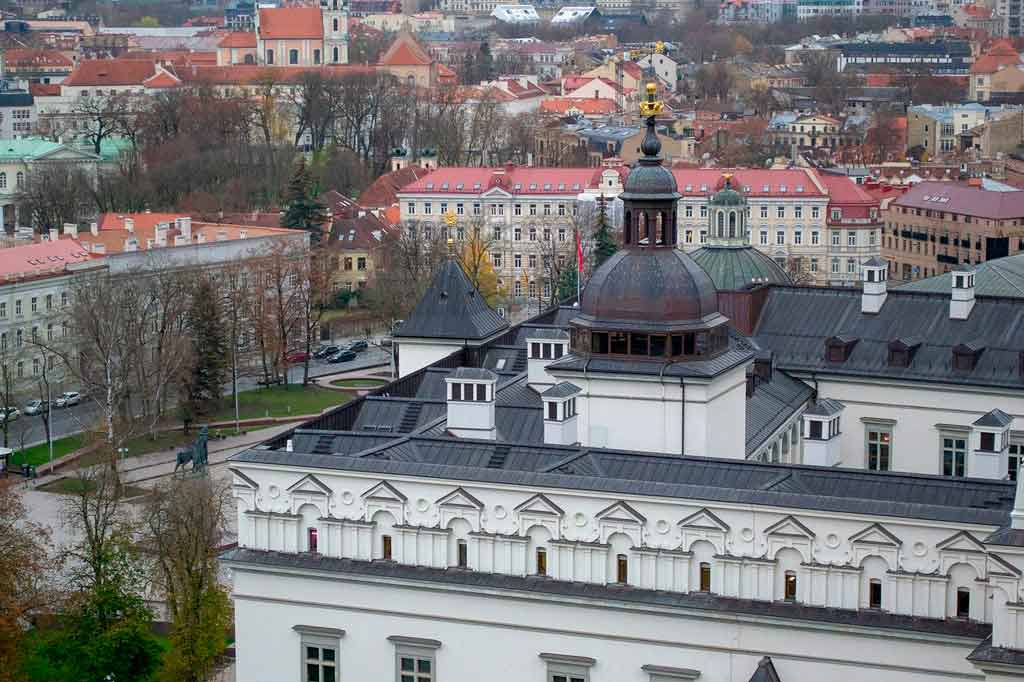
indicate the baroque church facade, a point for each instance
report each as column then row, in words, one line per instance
column 655, row 484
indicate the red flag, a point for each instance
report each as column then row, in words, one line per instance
column 579, row 253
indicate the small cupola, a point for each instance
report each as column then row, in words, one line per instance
column 470, row 393
column 961, row 302
column 544, row 346
column 990, row 445
column 822, row 428
column 727, row 216
column 560, row 414
column 873, row 275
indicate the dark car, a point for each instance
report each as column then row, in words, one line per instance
column 325, row 352
column 343, row 356
column 358, row 346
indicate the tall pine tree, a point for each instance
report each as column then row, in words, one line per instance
column 304, row 212
column 205, row 381
column 605, row 244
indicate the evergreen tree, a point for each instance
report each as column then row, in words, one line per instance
column 485, row 62
column 205, row 381
column 304, row 212
column 567, row 283
column 605, row 244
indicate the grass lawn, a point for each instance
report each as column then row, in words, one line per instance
column 280, row 401
column 40, row 454
column 358, row 383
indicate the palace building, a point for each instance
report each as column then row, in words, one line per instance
column 667, row 480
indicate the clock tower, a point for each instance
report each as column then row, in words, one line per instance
column 335, row 16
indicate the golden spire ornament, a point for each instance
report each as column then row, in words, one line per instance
column 651, row 107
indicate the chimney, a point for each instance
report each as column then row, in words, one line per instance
column 131, row 244
column 242, row 234
column 129, row 224
column 99, row 248
column 961, row 303
column 873, row 274
column 54, row 234
column 161, row 234
column 200, row 237
column 94, row 228
column 560, row 414
column 470, row 392
column 71, row 230
column 184, row 227
column 544, row 346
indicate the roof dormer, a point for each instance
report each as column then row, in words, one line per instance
column 966, row 355
column 838, row 348
column 470, row 394
column 902, row 350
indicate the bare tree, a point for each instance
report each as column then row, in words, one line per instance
column 102, row 115
column 408, row 259
column 316, row 100
column 54, row 195
column 314, row 294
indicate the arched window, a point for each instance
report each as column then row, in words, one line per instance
column 270, row 56
column 875, row 594
column 293, row 56
column 732, row 224
column 789, row 592
column 627, row 235
column 311, row 537
column 462, row 554
column 20, row 180
column 17, row 338
column 705, row 577
column 335, row 24
column 249, row 59
column 542, row 561
column 721, row 223
column 336, row 57
column 386, row 547
column 963, row 602
column 622, row 569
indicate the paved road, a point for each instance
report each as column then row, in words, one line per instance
column 28, row 430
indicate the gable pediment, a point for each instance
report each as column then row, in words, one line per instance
column 310, row 485
column 242, row 481
column 706, row 520
column 384, row 491
column 789, row 526
column 621, row 512
column 65, row 154
column 460, row 498
column 539, row 504
column 1003, row 566
column 961, row 542
column 876, row 534
column 495, row 192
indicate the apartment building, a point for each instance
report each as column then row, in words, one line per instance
column 819, row 228
column 937, row 129
column 937, row 227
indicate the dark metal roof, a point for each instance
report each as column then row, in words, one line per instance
column 700, row 601
column 16, row 99
column 1001, row 277
column 532, row 465
column 986, row 653
column 771, row 405
column 994, row 419
column 651, row 289
column 796, row 321
column 732, row 268
column 825, row 408
column 452, row 309
column 876, row 262
column 554, row 334
column 691, row 368
column 561, row 390
column 765, row 671
column 474, row 374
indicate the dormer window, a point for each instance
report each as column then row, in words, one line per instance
column 839, row 348
column 966, row 356
column 902, row 350
column 546, row 351
column 468, row 392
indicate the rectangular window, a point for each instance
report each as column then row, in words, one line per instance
column 764, row 237
column 963, row 603
column 954, row 454
column 622, row 569
column 780, row 212
column 835, row 239
column 1013, row 463
column 411, row 208
column 988, row 441
column 798, row 212
column 851, row 239
column 552, row 411
column 321, row 663
column 815, row 238
column 385, row 549
column 705, row 577
column 815, row 430
column 542, row 561
column 780, row 238
column 879, row 446
column 462, row 554
column 815, row 212
column 764, row 212
column 789, row 592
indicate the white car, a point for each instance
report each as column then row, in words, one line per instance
column 9, row 414
column 68, row 398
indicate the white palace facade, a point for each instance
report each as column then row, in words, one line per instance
column 670, row 480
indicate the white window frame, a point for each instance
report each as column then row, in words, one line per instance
column 416, row 648
column 322, row 638
column 567, row 668
column 880, row 427
column 955, row 434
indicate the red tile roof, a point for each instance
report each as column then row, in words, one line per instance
column 405, row 51
column 358, row 233
column 283, row 23
column 44, row 89
column 585, row 105
column 161, row 80
column 37, row 260
column 112, row 232
column 1000, row 55
column 846, row 194
column 633, row 69
column 242, row 74
column 383, row 192
column 960, row 198
column 240, row 39
column 705, row 181
column 512, row 179
column 110, row 72
column 35, row 58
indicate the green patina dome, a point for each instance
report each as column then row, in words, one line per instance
column 727, row 196
column 732, row 268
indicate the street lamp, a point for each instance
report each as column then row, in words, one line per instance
column 123, row 451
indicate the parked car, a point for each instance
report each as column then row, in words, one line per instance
column 68, row 398
column 358, row 346
column 9, row 414
column 325, row 352
column 342, row 356
column 297, row 356
column 34, row 407
column 387, row 342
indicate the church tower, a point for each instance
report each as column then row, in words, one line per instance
column 335, row 16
